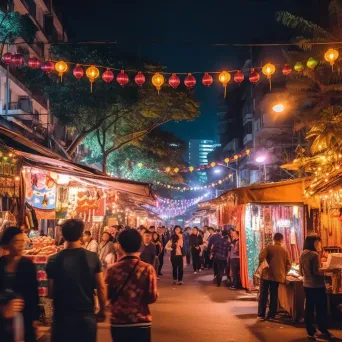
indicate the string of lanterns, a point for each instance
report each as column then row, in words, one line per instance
column 194, row 188
column 158, row 79
column 183, row 202
column 170, row 169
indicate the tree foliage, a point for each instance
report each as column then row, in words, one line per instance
column 155, row 150
column 14, row 25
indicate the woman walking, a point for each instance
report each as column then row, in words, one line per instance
column 18, row 290
column 176, row 247
column 314, row 288
column 156, row 239
column 195, row 242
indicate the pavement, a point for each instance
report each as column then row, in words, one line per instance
column 199, row 311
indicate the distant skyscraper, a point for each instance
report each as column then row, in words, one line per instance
column 198, row 154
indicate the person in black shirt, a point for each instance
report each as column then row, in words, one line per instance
column 73, row 274
column 195, row 243
column 148, row 249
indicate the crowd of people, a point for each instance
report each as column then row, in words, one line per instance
column 121, row 272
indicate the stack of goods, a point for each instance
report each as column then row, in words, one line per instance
column 294, row 273
column 43, row 247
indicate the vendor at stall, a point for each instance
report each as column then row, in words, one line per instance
column 314, row 288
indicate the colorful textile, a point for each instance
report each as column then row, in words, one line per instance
column 131, row 304
column 221, row 249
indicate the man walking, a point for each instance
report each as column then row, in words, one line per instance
column 220, row 256
column 279, row 265
column 132, row 286
column 186, row 241
column 235, row 260
column 148, row 249
column 73, row 274
column 214, row 236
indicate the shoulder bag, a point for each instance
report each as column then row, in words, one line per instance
column 115, row 294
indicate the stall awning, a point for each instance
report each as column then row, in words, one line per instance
column 142, row 191
column 286, row 192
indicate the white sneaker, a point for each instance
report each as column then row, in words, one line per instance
column 195, row 272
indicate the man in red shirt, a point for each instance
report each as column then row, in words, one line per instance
column 132, row 286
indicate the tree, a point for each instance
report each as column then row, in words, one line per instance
column 13, row 25
column 317, row 94
column 126, row 113
column 155, row 150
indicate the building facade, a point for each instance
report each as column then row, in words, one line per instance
column 21, row 109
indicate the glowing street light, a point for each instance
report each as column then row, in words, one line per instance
column 260, row 159
column 278, row 108
column 217, row 171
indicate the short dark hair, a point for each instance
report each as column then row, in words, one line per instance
column 147, row 232
column 152, row 227
column 87, row 232
column 278, row 237
column 225, row 233
column 72, row 230
column 210, row 228
column 9, row 234
column 130, row 240
column 309, row 242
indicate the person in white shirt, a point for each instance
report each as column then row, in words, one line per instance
column 90, row 244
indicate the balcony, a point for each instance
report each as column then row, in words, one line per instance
column 15, row 109
column 247, row 139
column 247, row 117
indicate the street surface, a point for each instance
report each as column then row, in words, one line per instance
column 201, row 312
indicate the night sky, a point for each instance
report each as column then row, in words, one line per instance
column 198, row 22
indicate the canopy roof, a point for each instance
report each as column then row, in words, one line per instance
column 287, row 192
column 37, row 156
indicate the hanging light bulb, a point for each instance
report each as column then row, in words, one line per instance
column 158, row 80
column 92, row 73
column 224, row 78
column 330, row 56
column 268, row 70
column 61, row 67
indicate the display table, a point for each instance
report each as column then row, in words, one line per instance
column 292, row 297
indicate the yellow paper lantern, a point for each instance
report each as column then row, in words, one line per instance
column 213, row 164
column 226, row 160
column 330, row 56
column 268, row 70
column 212, row 184
column 236, row 157
column 61, row 67
column 220, row 182
column 92, row 73
column 248, row 152
column 158, row 80
column 167, row 169
column 140, row 165
column 191, row 168
column 224, row 78
column 175, row 170
column 169, row 186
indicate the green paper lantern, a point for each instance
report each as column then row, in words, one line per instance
column 299, row 67
column 312, row 63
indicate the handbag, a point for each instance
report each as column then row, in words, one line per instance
column 115, row 294
column 263, row 266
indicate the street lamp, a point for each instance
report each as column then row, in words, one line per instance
column 278, row 108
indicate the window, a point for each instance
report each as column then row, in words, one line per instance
column 248, row 128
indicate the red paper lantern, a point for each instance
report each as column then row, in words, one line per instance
column 207, row 80
column 33, row 63
column 108, row 76
column 254, row 77
column 7, row 58
column 139, row 79
column 78, row 72
column 17, row 59
column 190, row 81
column 122, row 78
column 239, row 77
column 48, row 67
column 174, row 81
column 286, row 70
